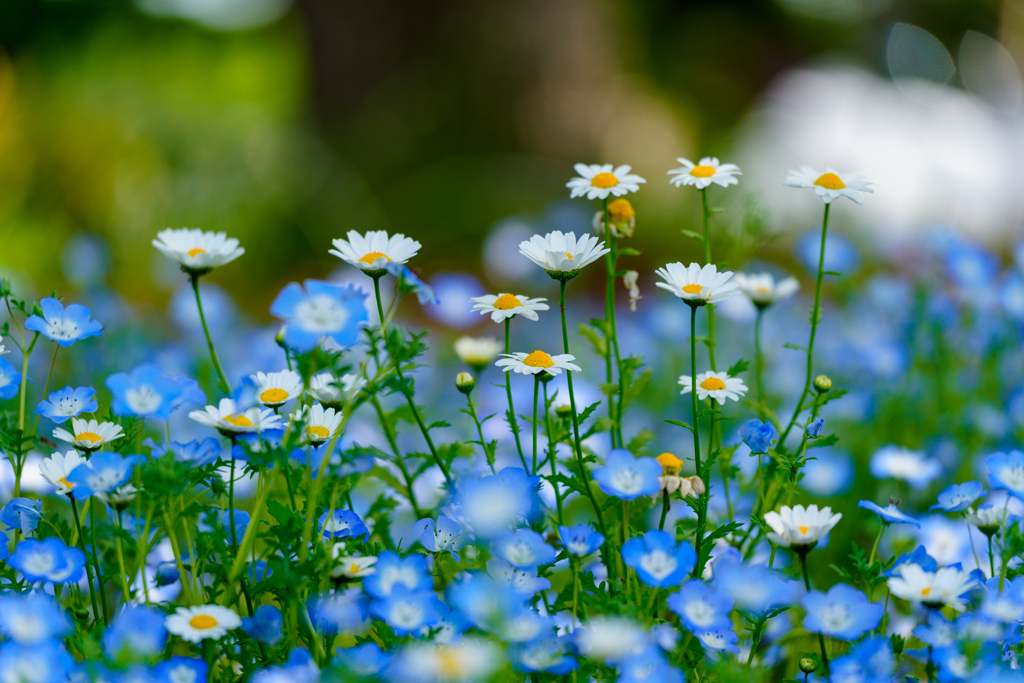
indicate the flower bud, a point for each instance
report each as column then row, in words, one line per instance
column 698, row 485
column 545, row 377
column 822, row 384
column 464, row 382
column 807, row 665
column 622, row 217
column 563, row 411
column 279, row 338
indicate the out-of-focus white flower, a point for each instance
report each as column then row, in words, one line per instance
column 477, row 352
column 197, row 251
column 944, row 587
column 558, row 252
column 195, row 624
column 799, row 526
column 763, row 290
column 629, row 281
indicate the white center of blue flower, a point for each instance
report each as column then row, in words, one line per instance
column 69, row 405
column 406, row 615
column 320, row 314
column 577, row 546
column 627, row 480
column 63, row 329
column 658, row 564
column 104, row 480
column 523, row 628
column 392, row 575
column 700, row 613
column 1013, row 477
column 40, row 564
column 333, row 524
column 26, row 627
column 713, row 640
column 519, row 552
column 836, row 618
column 143, row 400
column 182, row 674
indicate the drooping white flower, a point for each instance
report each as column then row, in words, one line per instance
column 597, row 181
column 477, row 352
column 57, row 467
column 374, row 250
column 537, row 362
column 277, row 388
column 332, row 392
column 321, row 424
column 558, row 252
column 716, row 385
column 697, row 285
column 799, row 526
column 226, row 417
column 502, row 306
column 196, row 624
column 706, row 171
column 830, row 185
column 197, row 251
column 763, row 290
column 943, row 587
column 629, row 281
column 89, row 435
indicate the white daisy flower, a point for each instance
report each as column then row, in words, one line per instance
column 502, row 306
column 321, row 424
column 988, row 519
column 563, row 253
column 332, row 392
column 830, row 185
column 351, row 566
column 706, row 171
column 597, row 181
column 763, row 290
column 716, row 385
column 89, row 435
column 119, row 497
column 196, row 624
column 477, row 352
column 277, row 388
column 226, row 418
column 799, row 526
column 57, row 467
column 536, row 362
column 198, row 251
column 943, row 587
column 468, row 659
column 697, row 285
column 374, row 250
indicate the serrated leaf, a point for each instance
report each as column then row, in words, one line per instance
column 679, row 423
column 738, row 367
column 596, row 339
column 693, row 235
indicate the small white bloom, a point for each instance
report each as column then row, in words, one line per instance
column 536, row 362
column 502, row 306
column 321, row 424
column 629, row 280
column 706, row 171
column 196, row 624
column 944, row 587
column 119, row 496
column 198, row 251
column 610, row 639
column 830, row 185
column 330, row 391
column 374, row 250
column 226, row 417
column 57, row 467
column 763, row 290
column 700, row 285
column 351, row 566
column 89, row 435
column 558, row 252
column 466, row 660
column 989, row 517
column 597, row 181
column 477, row 352
column 716, row 385
column 277, row 388
column 799, row 526
column 913, row 467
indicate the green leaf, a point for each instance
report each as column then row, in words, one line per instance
column 629, row 251
column 795, row 347
column 678, row 423
column 738, row 367
column 829, row 440
column 638, row 442
column 596, row 339
column 693, row 235
column 832, row 272
column 588, row 411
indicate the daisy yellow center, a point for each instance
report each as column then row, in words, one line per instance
column 274, row 395
column 803, row 529
column 926, row 591
column 91, row 437
column 830, row 181
column 702, row 171
column 64, row 481
column 712, row 384
column 764, row 289
column 353, row 568
column 604, row 180
column 202, row 622
column 238, row 420
column 318, row 431
column 196, row 251
column 692, row 289
column 506, row 302
column 449, row 665
column 373, row 256
column 621, row 210
column 538, row 359
column 670, row 464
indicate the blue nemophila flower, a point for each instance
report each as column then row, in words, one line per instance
column 757, row 435
column 485, row 602
column 890, row 514
column 407, row 611
column 526, row 582
column 440, row 537
column 62, row 405
column 48, row 560
column 649, row 666
column 657, row 560
column 491, row 505
column 180, row 669
column 23, row 514
column 700, row 608
column 546, row 655
column 64, row 325
column 719, row 639
column 523, row 549
column 959, row 497
column 44, row 662
column 627, row 477
column 365, row 661
column 913, row 467
column 868, row 661
column 265, row 625
column 814, row 429
column 221, row 519
column 755, row 588
column 136, row 633
column 322, row 309
column 31, row 618
column 199, row 453
column 580, row 540
column 146, row 391
column 10, row 379
column 339, row 613
column 101, row 474
column 920, row 557
column 1006, row 472
column 1001, row 607
column 524, row 625
column 843, row 612
column 450, row 628
column 394, row 570
column 343, row 524
column 408, row 281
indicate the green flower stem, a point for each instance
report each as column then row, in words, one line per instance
column 318, row 485
column 575, row 588
column 185, row 585
column 393, row 442
column 84, row 549
column 120, row 560
column 609, row 312
column 225, row 387
column 250, row 532
column 480, row 432
column 536, row 393
column 874, row 548
column 710, row 341
column 1004, row 556
column 721, row 463
column 577, row 447
column 756, row 638
column 698, row 568
column 991, row 561
column 96, row 562
column 815, row 319
column 231, row 501
column 552, row 455
column 46, row 387
column 807, row 585
column 759, row 364
column 512, row 422
column 19, row 461
column 970, row 537
column 664, row 509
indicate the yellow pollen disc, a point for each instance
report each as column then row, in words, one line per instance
column 604, row 180
column 353, row 568
column 620, row 210
column 692, row 289
column 318, row 431
column 702, row 171
column 568, row 255
column 538, row 359
column 926, row 591
column 238, row 420
column 274, row 396
column 202, row 622
column 830, row 181
column 91, row 437
column 449, row 665
column 712, row 384
column 670, row 463
column 506, row 302
column 764, row 290
column 803, row 529
column 373, row 256
column 196, row 251
column 63, row 480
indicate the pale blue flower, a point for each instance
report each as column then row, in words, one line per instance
column 700, row 608
column 60, row 406
column 146, row 391
column 342, row 524
column 409, row 282
column 549, row 655
column 136, row 633
column 526, row 582
column 32, row 618
column 392, row 571
column 1006, row 472
column 913, row 467
column 407, row 611
column 440, row 537
column 890, row 514
column 364, row 661
column 22, row 514
column 102, row 473
column 719, row 639
column 340, row 613
column 41, row 662
column 10, row 380
column 64, row 325
column 523, row 549
column 959, row 497
column 657, row 560
column 814, row 429
column 322, row 309
column 755, row 588
column 491, row 505
column 48, row 560
column 627, row 477
column 843, row 612
column 180, row 669
column 265, row 625
column 580, row 540
column 757, row 435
